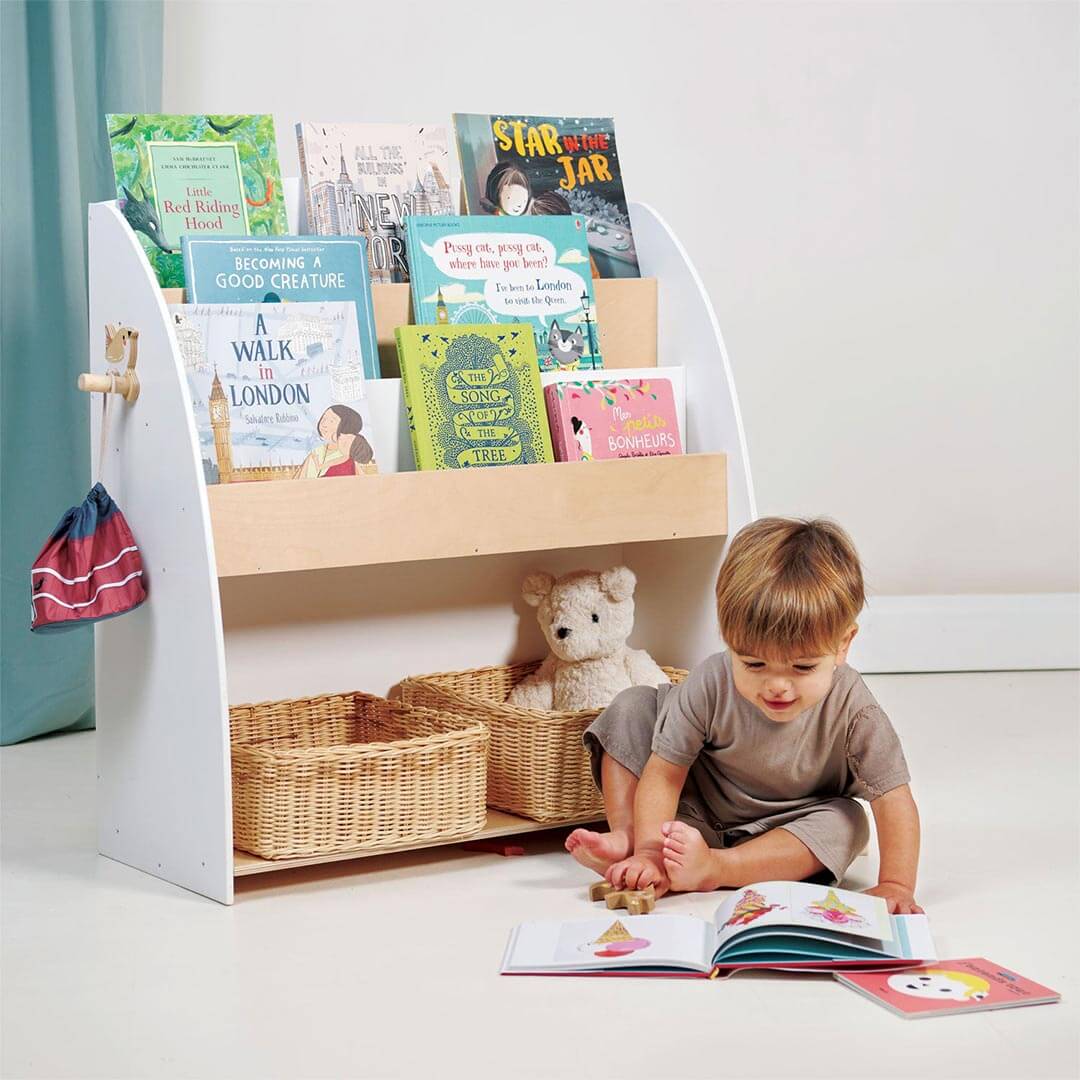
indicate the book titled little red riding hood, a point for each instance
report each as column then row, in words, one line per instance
column 948, row 987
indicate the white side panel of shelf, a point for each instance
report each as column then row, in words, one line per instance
column 688, row 333
column 164, row 795
column 676, row 580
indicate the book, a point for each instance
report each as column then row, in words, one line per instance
column 225, row 270
column 277, row 390
column 476, row 271
column 365, row 179
column 780, row 925
column 515, row 165
column 194, row 174
column 675, row 374
column 597, row 419
column 472, row 396
column 949, row 987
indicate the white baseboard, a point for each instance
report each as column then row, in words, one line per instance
column 968, row 633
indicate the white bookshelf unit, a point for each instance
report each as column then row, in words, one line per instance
column 275, row 590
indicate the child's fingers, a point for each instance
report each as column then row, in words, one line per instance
column 674, row 843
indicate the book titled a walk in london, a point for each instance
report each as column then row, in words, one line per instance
column 277, row 390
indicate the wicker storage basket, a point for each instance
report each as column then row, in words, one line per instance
column 352, row 772
column 537, row 766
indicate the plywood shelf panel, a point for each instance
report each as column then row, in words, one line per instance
column 498, row 824
column 266, row 528
column 625, row 314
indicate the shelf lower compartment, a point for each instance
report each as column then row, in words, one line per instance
column 281, row 526
column 498, row 823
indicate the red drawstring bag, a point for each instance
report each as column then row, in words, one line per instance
column 90, row 568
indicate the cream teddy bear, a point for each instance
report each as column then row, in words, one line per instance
column 586, row 617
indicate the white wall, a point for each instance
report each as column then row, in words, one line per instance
column 882, row 199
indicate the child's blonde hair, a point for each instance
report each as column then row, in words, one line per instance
column 789, row 588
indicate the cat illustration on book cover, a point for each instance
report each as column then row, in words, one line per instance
column 567, row 346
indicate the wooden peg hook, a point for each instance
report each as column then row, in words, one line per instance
column 118, row 342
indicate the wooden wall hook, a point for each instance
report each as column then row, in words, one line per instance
column 119, row 341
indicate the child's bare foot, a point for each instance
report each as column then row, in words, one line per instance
column 690, row 863
column 598, row 851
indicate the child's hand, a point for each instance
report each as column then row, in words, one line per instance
column 900, row 898
column 639, row 872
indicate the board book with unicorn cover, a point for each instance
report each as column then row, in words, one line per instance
column 779, row 925
column 481, row 271
column 949, row 987
column 599, row 419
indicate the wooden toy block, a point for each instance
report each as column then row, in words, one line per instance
column 635, row 901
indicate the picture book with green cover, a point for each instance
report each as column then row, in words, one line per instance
column 476, row 271
column 472, row 396
column 198, row 175
column 523, row 165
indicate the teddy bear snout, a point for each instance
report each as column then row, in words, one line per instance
column 562, row 633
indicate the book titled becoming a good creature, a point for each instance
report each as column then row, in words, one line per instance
column 277, row 390
column 472, row 396
column 365, row 179
column 472, row 271
column 225, row 270
column 783, row 925
column 523, row 165
column 194, row 174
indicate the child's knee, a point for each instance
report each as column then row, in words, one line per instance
column 624, row 730
column 634, row 705
column 855, row 822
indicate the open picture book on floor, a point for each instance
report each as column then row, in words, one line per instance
column 782, row 925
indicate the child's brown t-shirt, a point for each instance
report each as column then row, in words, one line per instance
column 750, row 767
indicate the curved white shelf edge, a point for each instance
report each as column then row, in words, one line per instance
column 164, row 801
column 164, row 792
column 688, row 333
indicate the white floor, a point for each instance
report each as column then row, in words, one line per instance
column 388, row 967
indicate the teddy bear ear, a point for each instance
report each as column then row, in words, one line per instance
column 618, row 583
column 536, row 586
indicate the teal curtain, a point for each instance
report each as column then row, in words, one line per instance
column 64, row 65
